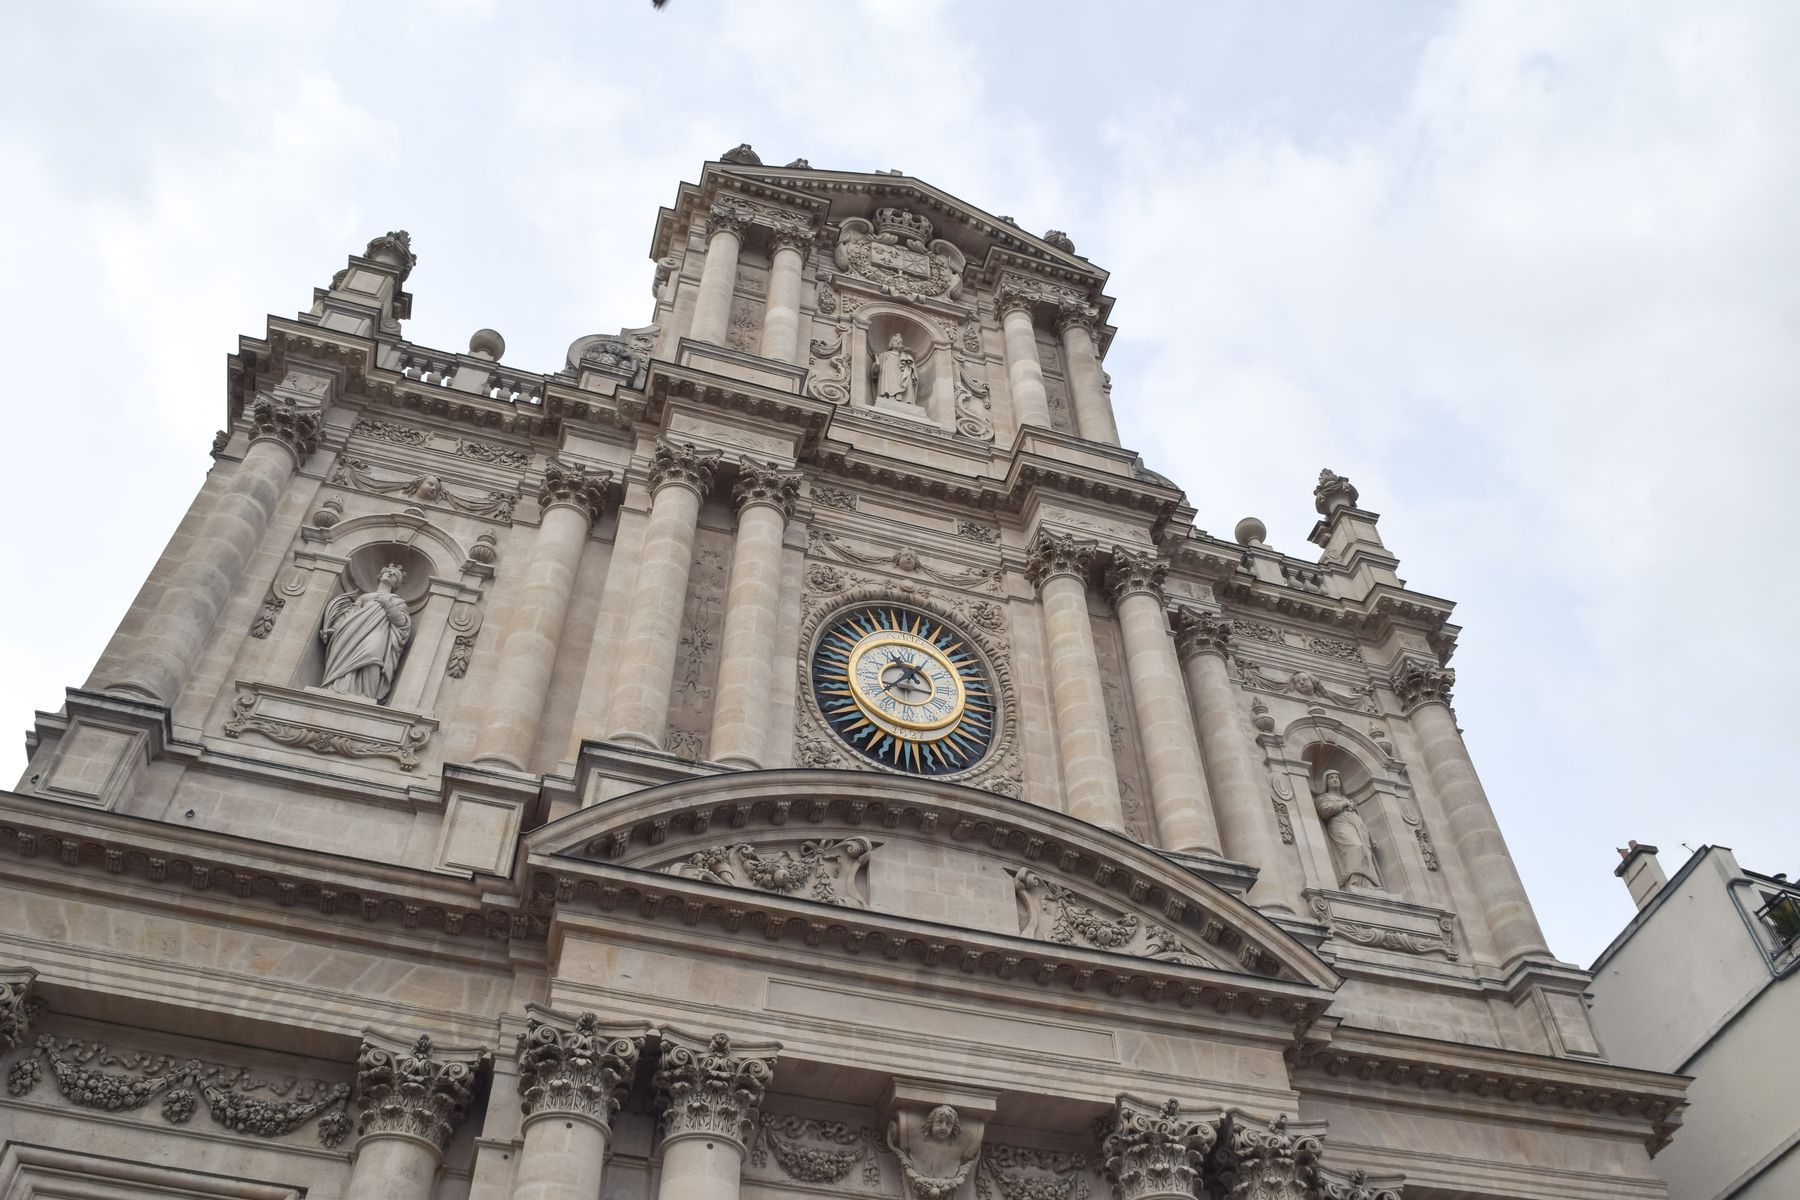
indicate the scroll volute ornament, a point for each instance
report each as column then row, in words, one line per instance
column 711, row 1088
column 1150, row 1152
column 1254, row 1162
column 413, row 1092
column 580, row 1069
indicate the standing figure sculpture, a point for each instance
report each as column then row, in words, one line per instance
column 1344, row 826
column 896, row 377
column 365, row 634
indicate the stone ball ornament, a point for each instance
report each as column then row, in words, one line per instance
column 905, row 690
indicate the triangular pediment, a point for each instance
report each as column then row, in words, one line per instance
column 920, row 850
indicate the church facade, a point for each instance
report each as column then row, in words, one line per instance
column 793, row 748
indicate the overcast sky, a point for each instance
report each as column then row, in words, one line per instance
column 1526, row 273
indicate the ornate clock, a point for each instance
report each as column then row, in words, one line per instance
column 905, row 690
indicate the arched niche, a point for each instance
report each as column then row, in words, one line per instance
column 362, row 573
column 1382, row 797
column 932, row 359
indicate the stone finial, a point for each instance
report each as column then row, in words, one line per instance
column 1156, row 1151
column 1052, row 554
column 742, row 155
column 682, row 463
column 1060, row 240
column 413, row 1092
column 937, row 1149
column 1416, row 681
column 17, row 1006
column 1334, row 492
column 486, row 343
column 799, row 164
column 766, row 483
column 1251, row 532
column 581, row 1069
column 1135, row 571
column 1271, row 1160
column 395, row 249
column 573, row 484
column 710, row 1088
column 283, row 421
column 1202, row 631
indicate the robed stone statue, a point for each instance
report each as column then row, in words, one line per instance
column 1345, row 827
column 896, row 376
column 365, row 634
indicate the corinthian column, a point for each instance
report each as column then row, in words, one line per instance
column 781, row 317
column 680, row 476
column 1271, row 1161
column 572, row 1078
column 282, row 437
column 570, row 498
column 718, row 278
column 1057, row 565
column 1024, row 373
column 1424, row 690
column 1178, row 799
column 1152, row 1153
column 1093, row 411
column 411, row 1106
column 1247, row 823
column 708, row 1095
column 765, row 497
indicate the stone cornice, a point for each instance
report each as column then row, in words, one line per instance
column 672, row 224
column 199, row 865
column 1355, row 1061
column 807, row 417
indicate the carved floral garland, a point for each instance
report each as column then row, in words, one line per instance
column 785, row 1138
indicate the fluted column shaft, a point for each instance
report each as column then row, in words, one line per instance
column 765, row 497
column 1093, row 412
column 1247, row 824
column 1425, row 690
column 1178, row 794
column 781, row 317
column 679, row 479
column 1024, row 373
column 718, row 280
column 1058, row 567
column 172, row 640
column 571, row 500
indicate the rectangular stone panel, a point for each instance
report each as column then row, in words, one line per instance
column 944, row 1021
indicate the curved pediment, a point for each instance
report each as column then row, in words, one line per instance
column 933, row 851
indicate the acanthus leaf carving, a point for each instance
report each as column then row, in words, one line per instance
column 283, row 421
column 683, row 464
column 1255, row 1162
column 1153, row 1152
column 1133, row 572
column 1052, row 554
column 712, row 1089
column 766, row 483
column 574, row 485
column 580, row 1067
column 414, row 1092
column 1417, row 682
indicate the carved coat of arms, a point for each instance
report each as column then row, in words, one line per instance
column 897, row 253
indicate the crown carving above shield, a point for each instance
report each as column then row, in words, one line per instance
column 903, row 225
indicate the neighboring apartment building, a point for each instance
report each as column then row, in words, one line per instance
column 787, row 749
column 1701, row 983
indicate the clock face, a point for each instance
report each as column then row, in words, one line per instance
column 904, row 689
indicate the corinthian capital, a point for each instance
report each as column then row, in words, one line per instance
column 1052, row 554
column 1156, row 1152
column 708, row 1088
column 793, row 237
column 1273, row 1161
column 682, row 463
column 578, row 1068
column 766, row 483
column 1133, row 571
column 1077, row 314
column 17, row 1006
column 729, row 215
column 1202, row 631
column 574, row 485
column 285, row 422
column 414, row 1093
column 1419, row 681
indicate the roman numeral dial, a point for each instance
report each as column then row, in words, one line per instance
column 904, row 689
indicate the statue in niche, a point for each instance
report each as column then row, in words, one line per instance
column 1344, row 826
column 935, row 1149
column 365, row 634
column 896, row 377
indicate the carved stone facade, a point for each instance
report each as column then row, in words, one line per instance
column 790, row 746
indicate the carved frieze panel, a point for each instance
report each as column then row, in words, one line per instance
column 459, row 447
column 823, row 543
column 830, row 871
column 94, row 1075
column 424, row 489
column 1054, row 913
column 1381, row 923
column 329, row 723
column 697, row 656
column 817, row 1152
column 1027, row 1173
column 1307, row 687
